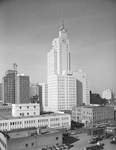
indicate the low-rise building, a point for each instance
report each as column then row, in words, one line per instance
column 6, row 109
column 28, row 139
column 29, row 109
column 93, row 115
column 53, row 120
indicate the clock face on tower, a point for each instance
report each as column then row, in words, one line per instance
column 64, row 41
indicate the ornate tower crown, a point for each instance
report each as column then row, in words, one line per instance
column 62, row 26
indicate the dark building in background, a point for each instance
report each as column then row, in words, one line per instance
column 8, row 84
column 96, row 99
column 22, row 89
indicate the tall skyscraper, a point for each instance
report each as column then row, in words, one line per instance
column 61, row 83
column 8, row 83
column 59, row 56
column 22, row 88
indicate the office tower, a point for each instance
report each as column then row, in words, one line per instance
column 83, row 87
column 43, row 96
column 22, row 88
column 8, row 83
column 34, row 90
column 61, row 83
column 59, row 56
column 0, row 92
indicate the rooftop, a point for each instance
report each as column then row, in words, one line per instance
column 27, row 132
column 8, row 116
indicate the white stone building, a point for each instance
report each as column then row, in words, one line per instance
column 93, row 115
column 54, row 120
column 62, row 83
column 107, row 94
column 30, row 109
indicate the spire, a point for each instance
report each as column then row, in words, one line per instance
column 62, row 24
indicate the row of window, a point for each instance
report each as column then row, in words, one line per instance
column 27, row 107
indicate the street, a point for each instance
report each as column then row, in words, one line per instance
column 80, row 141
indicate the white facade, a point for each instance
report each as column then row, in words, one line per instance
column 30, row 109
column 52, row 121
column 93, row 115
column 107, row 94
column 61, row 83
column 65, row 89
column 59, row 56
column 62, row 92
column 83, row 87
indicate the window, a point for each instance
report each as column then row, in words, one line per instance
column 32, row 144
column 26, row 145
column 20, row 107
column 27, row 113
column 27, row 106
column 56, row 138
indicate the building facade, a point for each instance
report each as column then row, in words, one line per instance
column 43, row 96
column 65, row 88
column 34, row 90
column 8, row 84
column 108, row 95
column 83, row 87
column 0, row 92
column 54, row 120
column 93, row 115
column 30, row 109
column 22, row 89
column 29, row 138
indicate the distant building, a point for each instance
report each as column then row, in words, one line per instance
column 83, row 87
column 22, row 89
column 93, row 115
column 34, row 90
column 8, row 84
column 108, row 95
column 29, row 138
column 0, row 92
column 96, row 99
column 30, row 109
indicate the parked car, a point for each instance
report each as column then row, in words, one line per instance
column 94, row 140
column 113, row 141
column 94, row 147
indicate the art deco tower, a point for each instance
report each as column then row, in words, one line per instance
column 61, row 83
column 59, row 56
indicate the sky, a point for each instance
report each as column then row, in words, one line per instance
column 27, row 28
